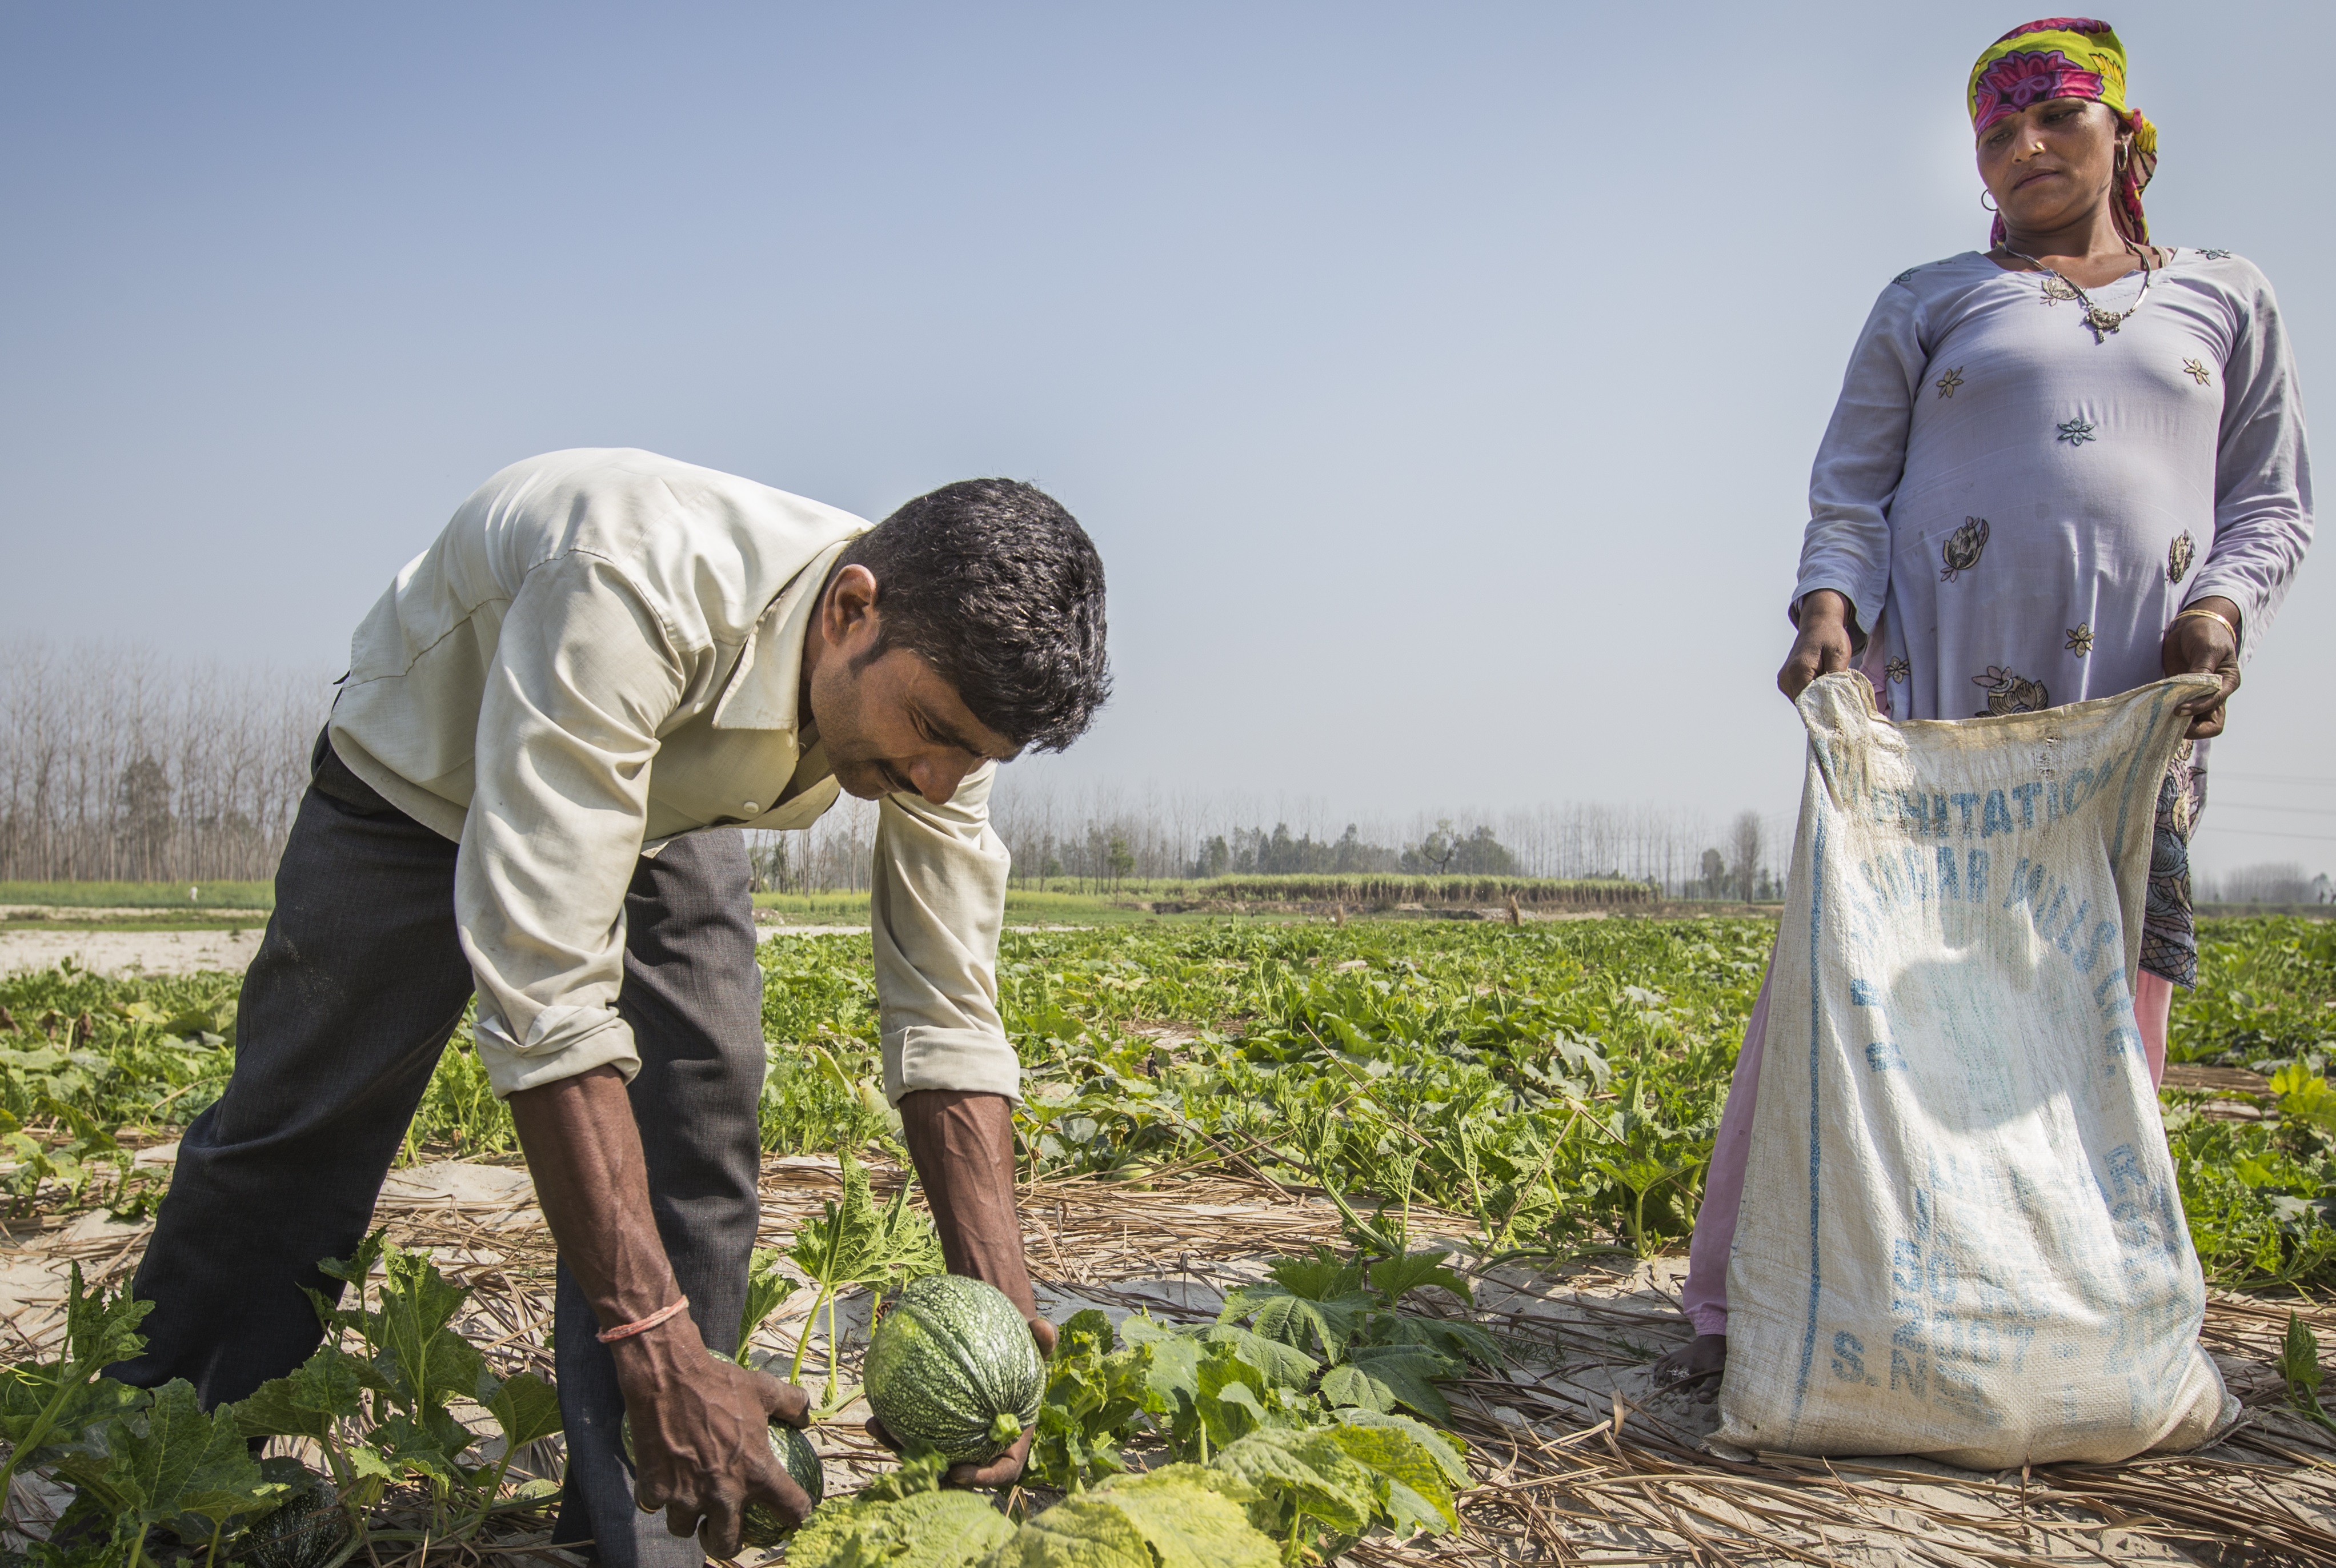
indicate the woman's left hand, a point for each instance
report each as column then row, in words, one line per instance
column 2201, row 645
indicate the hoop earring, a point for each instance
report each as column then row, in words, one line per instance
column 1984, row 204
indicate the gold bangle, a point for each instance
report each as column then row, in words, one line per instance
column 2210, row 615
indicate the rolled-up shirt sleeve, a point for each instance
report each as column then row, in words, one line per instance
column 1847, row 547
column 2262, row 474
column 583, row 676
column 936, row 900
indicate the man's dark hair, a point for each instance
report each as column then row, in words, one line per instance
column 997, row 588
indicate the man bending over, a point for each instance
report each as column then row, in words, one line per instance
column 605, row 655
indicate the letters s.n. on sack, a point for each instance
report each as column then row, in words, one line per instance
column 1961, row 1236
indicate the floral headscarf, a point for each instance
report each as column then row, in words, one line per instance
column 2066, row 57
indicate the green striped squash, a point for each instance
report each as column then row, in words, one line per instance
column 309, row 1528
column 793, row 1450
column 951, row 1368
column 764, row 1528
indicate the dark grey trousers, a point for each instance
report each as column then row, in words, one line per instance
column 357, row 984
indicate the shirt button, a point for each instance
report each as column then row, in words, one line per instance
column 752, row 807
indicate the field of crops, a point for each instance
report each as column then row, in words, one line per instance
column 1557, row 1081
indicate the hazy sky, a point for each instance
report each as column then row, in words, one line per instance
column 1440, row 382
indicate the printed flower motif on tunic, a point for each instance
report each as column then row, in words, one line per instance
column 2197, row 371
column 2077, row 431
column 2008, row 691
column 2216, row 255
column 2081, row 638
column 2178, row 556
column 1950, row 381
column 1898, row 669
column 2056, row 288
column 1962, row 550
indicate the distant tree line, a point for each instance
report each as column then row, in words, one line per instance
column 2270, row 883
column 121, row 764
column 1098, row 839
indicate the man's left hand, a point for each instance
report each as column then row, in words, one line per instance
column 2201, row 645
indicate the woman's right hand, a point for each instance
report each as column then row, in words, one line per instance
column 1822, row 647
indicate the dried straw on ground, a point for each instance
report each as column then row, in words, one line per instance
column 1577, row 1459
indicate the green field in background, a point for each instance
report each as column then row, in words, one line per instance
column 1556, row 1086
column 1022, row 909
column 141, row 895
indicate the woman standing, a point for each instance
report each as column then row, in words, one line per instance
column 2060, row 468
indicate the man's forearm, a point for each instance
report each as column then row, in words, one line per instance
column 963, row 1145
column 584, row 1151
column 699, row 1444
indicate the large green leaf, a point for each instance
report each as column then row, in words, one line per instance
column 1281, row 1365
column 1303, row 1474
column 29, row 1391
column 1415, row 1491
column 1178, row 1516
column 526, row 1407
column 427, row 1363
column 922, row 1530
column 767, row 1288
column 306, row 1401
column 1309, row 1302
column 1395, row 1278
column 100, row 1330
column 1445, row 1336
column 1322, row 1277
column 1446, row 1448
column 172, row 1460
column 1382, row 1377
column 1173, row 1370
column 1094, row 1397
column 856, row 1242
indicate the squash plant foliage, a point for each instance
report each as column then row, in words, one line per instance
column 1299, row 1391
column 1278, row 1498
column 374, row 1397
column 136, row 1458
column 1557, row 1083
column 851, row 1243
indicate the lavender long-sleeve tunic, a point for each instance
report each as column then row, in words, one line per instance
column 2016, row 510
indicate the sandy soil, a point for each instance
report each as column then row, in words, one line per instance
column 186, row 952
column 133, row 953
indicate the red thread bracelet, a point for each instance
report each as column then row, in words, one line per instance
column 626, row 1330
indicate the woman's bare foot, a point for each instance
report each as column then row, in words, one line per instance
column 1701, row 1361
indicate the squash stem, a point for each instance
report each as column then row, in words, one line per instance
column 802, row 1342
column 828, row 1402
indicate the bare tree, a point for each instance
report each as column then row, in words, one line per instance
column 2269, row 883
column 117, row 766
column 1744, row 853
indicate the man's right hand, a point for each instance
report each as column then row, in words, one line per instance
column 701, row 1451
column 1823, row 647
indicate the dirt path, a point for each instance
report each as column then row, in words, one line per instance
column 122, row 953
column 132, row 952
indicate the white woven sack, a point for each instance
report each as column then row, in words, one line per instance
column 1961, row 1236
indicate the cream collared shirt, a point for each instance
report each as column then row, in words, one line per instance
column 600, row 652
